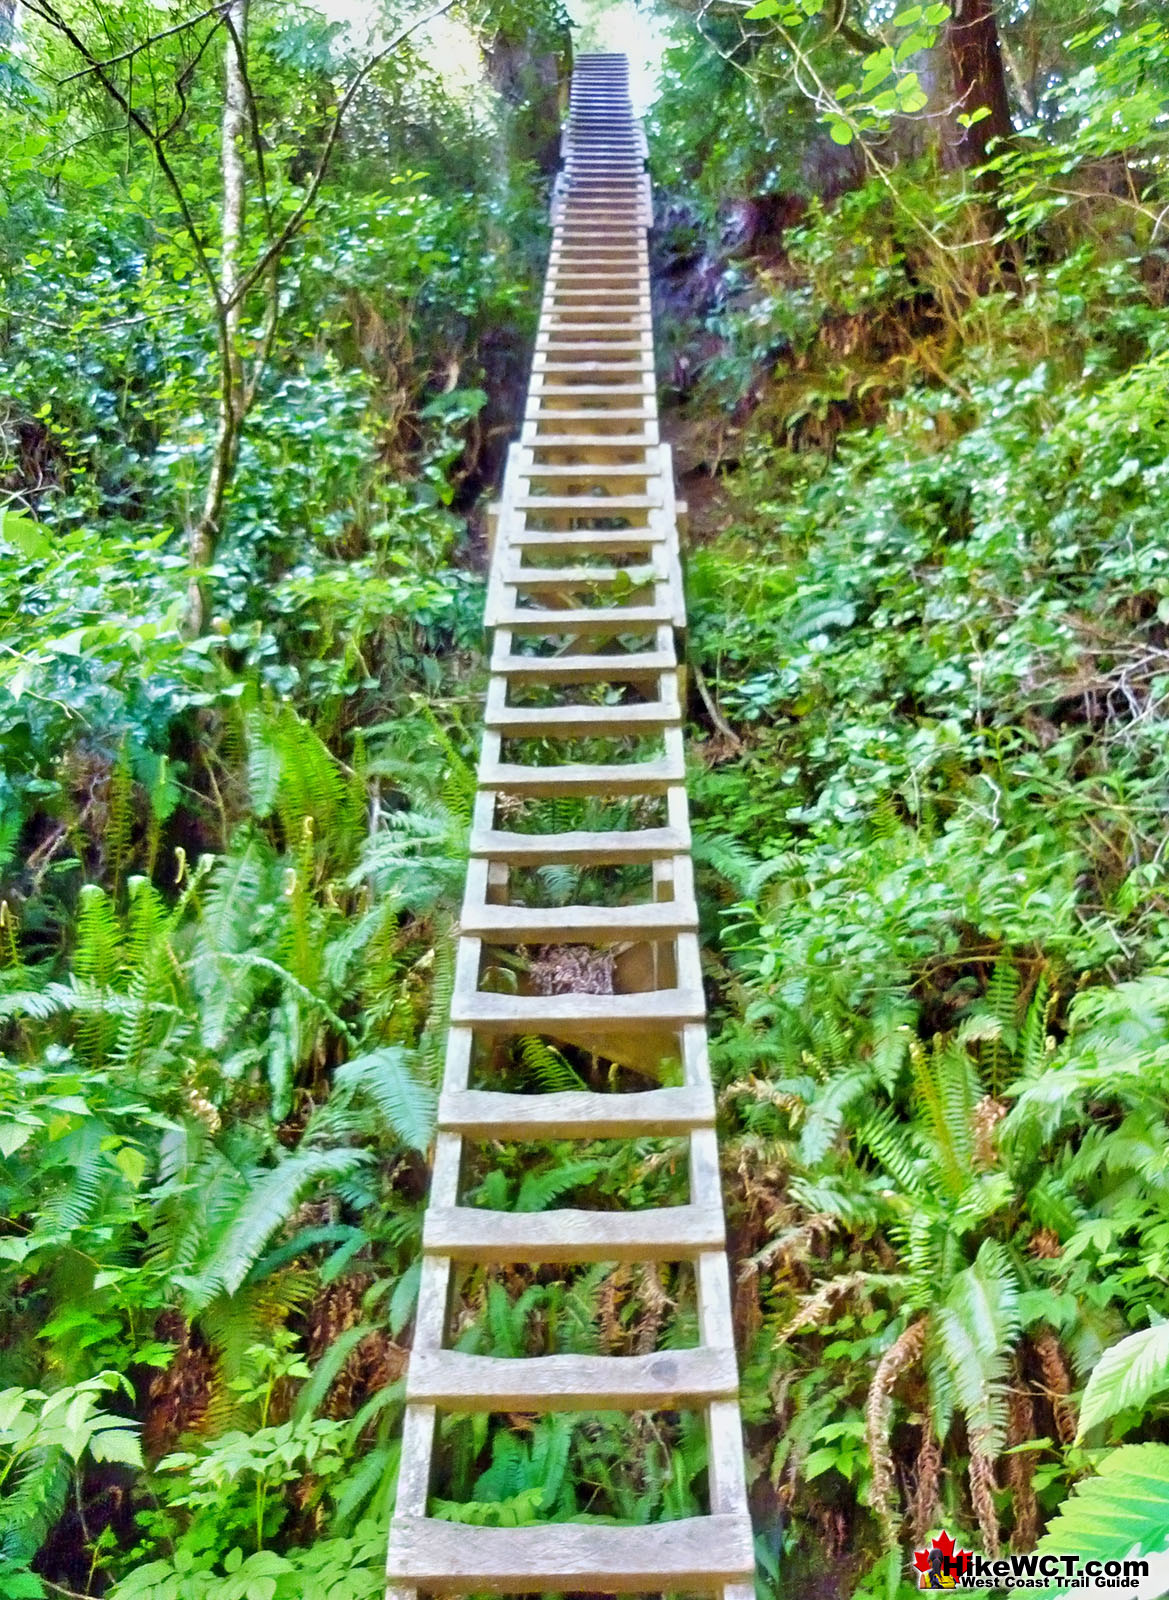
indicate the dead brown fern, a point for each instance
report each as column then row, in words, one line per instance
column 902, row 1354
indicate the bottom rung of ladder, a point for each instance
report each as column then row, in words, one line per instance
column 695, row 1553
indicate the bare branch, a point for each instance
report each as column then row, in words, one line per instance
column 48, row 13
column 167, row 33
column 294, row 224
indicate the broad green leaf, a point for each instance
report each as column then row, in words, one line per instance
column 117, row 1444
column 25, row 537
column 1127, row 1375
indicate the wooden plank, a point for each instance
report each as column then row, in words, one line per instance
column 511, row 924
column 695, row 1553
column 575, row 1113
column 590, row 540
column 580, row 848
column 582, row 666
column 576, row 722
column 592, row 505
column 578, row 1015
column 595, row 620
column 666, row 1380
column 662, row 1233
column 581, row 577
column 642, row 777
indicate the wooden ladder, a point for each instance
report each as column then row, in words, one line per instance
column 584, row 601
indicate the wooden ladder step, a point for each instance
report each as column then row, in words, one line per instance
column 561, row 781
column 582, row 668
column 697, row 1553
column 588, row 505
column 661, row 1233
column 589, row 539
column 575, row 1113
column 607, row 847
column 637, row 577
column 657, row 919
column 611, row 619
column 667, row 1380
column 575, row 722
column 583, row 1013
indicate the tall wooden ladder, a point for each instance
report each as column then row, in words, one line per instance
column 584, row 601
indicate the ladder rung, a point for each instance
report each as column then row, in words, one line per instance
column 575, row 1113
column 661, row 1233
column 607, row 619
column 695, row 1553
column 596, row 505
column 603, row 847
column 667, row 1380
column 588, row 1014
column 588, row 540
column 632, row 667
column 569, row 722
column 507, row 924
column 577, row 577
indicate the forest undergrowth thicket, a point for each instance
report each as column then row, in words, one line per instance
column 924, row 421
column 929, row 599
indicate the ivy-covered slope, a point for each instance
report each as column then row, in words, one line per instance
column 929, row 596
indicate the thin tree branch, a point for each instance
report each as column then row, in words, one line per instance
column 294, row 224
column 167, row 33
column 49, row 14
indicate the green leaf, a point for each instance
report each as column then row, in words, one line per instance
column 1126, row 1375
column 1122, row 1511
column 384, row 1076
column 25, row 537
column 117, row 1444
column 765, row 8
column 840, row 132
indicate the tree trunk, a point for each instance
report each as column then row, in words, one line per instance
column 976, row 65
column 232, row 403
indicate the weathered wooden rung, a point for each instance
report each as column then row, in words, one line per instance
column 576, row 1113
column 589, row 540
column 656, row 919
column 592, row 849
column 636, row 778
column 595, row 619
column 663, row 1233
column 575, row 722
column 697, row 1553
column 579, row 577
column 578, row 1013
column 582, row 667
column 667, row 1380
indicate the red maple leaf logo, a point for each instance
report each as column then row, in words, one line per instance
column 921, row 1558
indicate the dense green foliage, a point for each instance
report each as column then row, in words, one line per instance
column 924, row 420
column 930, row 600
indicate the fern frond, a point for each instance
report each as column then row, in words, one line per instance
column 978, row 1326
column 539, row 1189
column 269, row 1201
column 406, row 1104
column 547, row 1066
